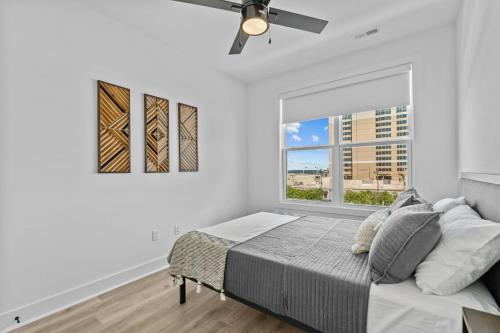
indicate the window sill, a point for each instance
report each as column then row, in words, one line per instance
column 328, row 208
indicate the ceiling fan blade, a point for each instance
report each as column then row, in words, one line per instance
column 297, row 21
column 239, row 42
column 219, row 4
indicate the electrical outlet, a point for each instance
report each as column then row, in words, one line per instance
column 155, row 235
column 177, row 230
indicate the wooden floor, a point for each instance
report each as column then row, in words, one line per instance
column 151, row 304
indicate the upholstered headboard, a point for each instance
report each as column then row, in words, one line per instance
column 484, row 197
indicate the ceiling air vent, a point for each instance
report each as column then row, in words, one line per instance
column 368, row 33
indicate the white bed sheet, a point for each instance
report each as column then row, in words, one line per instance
column 246, row 227
column 402, row 308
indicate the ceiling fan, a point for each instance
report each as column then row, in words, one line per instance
column 256, row 15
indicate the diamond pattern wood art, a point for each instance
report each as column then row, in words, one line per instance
column 156, row 123
column 188, row 138
column 113, row 105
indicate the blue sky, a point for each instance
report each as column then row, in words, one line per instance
column 307, row 133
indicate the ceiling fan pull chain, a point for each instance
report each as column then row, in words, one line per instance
column 269, row 29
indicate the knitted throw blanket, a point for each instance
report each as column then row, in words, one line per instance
column 200, row 256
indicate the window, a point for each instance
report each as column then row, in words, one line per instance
column 348, row 141
column 370, row 158
column 383, row 152
column 308, row 173
column 383, row 118
column 382, row 112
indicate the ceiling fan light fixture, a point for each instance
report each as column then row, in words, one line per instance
column 254, row 19
column 254, row 26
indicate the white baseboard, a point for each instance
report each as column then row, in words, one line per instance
column 49, row 305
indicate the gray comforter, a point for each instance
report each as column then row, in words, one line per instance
column 304, row 270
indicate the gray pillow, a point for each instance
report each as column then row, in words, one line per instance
column 406, row 198
column 424, row 207
column 403, row 242
column 416, row 207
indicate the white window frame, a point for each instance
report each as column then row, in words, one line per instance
column 337, row 169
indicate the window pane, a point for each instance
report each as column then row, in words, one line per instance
column 308, row 175
column 383, row 124
column 307, row 133
column 374, row 175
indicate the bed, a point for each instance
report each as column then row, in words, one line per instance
column 301, row 269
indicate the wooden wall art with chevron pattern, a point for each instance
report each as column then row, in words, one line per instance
column 113, row 105
column 188, row 138
column 156, row 131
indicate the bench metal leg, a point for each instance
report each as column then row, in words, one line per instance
column 182, row 291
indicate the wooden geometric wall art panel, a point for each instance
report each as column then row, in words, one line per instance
column 188, row 138
column 156, row 131
column 113, row 105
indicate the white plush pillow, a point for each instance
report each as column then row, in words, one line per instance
column 367, row 231
column 468, row 248
column 446, row 204
column 458, row 213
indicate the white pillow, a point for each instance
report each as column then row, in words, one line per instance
column 367, row 231
column 446, row 204
column 468, row 248
column 458, row 213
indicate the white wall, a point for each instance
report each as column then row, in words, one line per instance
column 62, row 224
column 478, row 54
column 435, row 148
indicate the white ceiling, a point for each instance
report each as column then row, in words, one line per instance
column 206, row 34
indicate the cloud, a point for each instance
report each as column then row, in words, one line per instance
column 292, row 128
column 325, row 128
column 315, row 138
column 296, row 137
